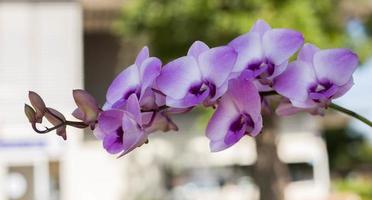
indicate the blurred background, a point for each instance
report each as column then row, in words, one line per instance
column 54, row 46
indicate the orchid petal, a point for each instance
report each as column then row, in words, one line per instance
column 220, row 122
column 217, row 63
column 188, row 101
column 343, row 89
column 124, row 84
column 295, row 81
column 260, row 27
column 110, row 120
column 307, row 53
column 280, row 44
column 132, row 106
column 142, row 56
column 246, row 97
column 178, row 76
column 112, row 143
column 197, row 48
column 335, row 65
column 133, row 135
column 249, row 49
column 149, row 70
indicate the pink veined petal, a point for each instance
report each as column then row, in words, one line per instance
column 307, row 53
column 295, row 81
column 335, row 65
column 246, row 97
column 132, row 106
column 149, row 70
column 110, row 120
column 197, row 48
column 216, row 64
column 133, row 135
column 343, row 89
column 260, row 27
column 125, row 82
column 178, row 76
column 280, row 44
column 142, row 55
column 161, row 122
column 219, row 124
column 249, row 49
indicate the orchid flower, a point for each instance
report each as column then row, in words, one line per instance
column 238, row 113
column 316, row 77
column 122, row 129
column 136, row 79
column 201, row 76
column 263, row 52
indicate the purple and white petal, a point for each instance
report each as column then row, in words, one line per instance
column 307, row 53
column 280, row 44
column 249, row 48
column 142, row 55
column 132, row 106
column 113, row 143
column 149, row 71
column 260, row 27
column 216, row 64
column 127, row 82
column 134, row 136
column 178, row 76
column 335, row 65
column 110, row 120
column 189, row 100
column 343, row 89
column 220, row 123
column 294, row 83
column 197, row 48
column 246, row 97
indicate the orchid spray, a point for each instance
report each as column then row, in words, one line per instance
column 233, row 79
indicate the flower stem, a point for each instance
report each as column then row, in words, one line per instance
column 350, row 113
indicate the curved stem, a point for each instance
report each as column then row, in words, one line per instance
column 350, row 113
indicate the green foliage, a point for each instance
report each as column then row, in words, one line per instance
column 362, row 187
column 170, row 26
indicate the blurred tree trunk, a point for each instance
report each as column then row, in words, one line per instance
column 270, row 174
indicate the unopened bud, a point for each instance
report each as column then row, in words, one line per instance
column 30, row 113
column 39, row 105
column 87, row 106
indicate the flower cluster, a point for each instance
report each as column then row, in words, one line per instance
column 231, row 78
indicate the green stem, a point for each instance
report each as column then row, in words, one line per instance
column 350, row 113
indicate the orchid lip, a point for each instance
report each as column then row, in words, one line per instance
column 322, row 92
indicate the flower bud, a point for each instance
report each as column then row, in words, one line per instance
column 39, row 105
column 87, row 106
column 30, row 113
column 56, row 118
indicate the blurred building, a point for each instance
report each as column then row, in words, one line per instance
column 55, row 46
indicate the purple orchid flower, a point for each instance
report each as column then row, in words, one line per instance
column 238, row 114
column 122, row 130
column 136, row 79
column 201, row 76
column 316, row 77
column 263, row 52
